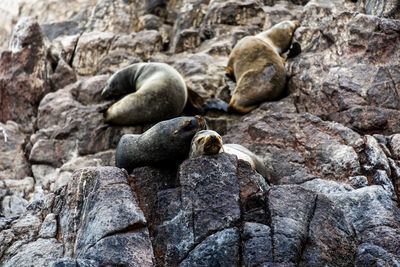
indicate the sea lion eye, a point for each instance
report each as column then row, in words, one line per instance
column 190, row 124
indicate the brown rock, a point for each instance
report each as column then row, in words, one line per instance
column 24, row 80
column 344, row 52
column 106, row 52
column 299, row 147
column 13, row 162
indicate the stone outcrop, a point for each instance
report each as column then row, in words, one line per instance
column 331, row 143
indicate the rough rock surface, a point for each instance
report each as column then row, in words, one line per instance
column 331, row 143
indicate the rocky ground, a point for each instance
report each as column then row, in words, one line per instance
column 331, row 144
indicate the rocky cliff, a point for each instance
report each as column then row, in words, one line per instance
column 331, row 143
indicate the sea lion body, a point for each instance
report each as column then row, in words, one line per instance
column 155, row 92
column 166, row 141
column 258, row 68
column 208, row 142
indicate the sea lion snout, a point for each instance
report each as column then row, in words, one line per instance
column 212, row 144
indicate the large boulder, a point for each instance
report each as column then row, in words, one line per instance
column 96, row 216
column 25, row 71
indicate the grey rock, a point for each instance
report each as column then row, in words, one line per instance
column 212, row 208
column 359, row 181
column 385, row 8
column 321, row 186
column 375, row 155
column 105, row 190
column 69, row 262
column 127, row 249
column 381, row 178
column 219, row 249
column 253, row 189
column 291, row 209
column 257, row 244
column 13, row 205
column 395, row 146
column 13, row 162
column 331, row 239
column 373, row 215
column 52, row 152
column 49, row 226
column 368, row 254
column 42, row 252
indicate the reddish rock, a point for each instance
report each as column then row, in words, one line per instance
column 24, row 73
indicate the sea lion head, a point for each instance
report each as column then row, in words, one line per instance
column 118, row 84
column 281, row 34
column 205, row 142
column 183, row 130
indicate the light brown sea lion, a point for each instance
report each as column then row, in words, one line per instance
column 155, row 92
column 167, row 141
column 208, row 142
column 258, row 68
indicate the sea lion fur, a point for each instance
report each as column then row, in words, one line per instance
column 166, row 141
column 153, row 92
column 256, row 65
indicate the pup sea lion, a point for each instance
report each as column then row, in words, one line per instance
column 258, row 68
column 156, row 92
column 208, row 142
column 166, row 141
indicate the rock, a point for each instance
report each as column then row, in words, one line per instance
column 234, row 13
column 257, row 244
column 13, row 162
column 326, row 187
column 68, row 262
column 376, row 158
column 330, row 238
column 381, row 178
column 344, row 52
column 106, row 190
column 49, row 226
column 290, row 224
column 331, row 143
column 63, row 75
column 375, row 219
column 13, row 205
column 395, row 146
column 359, row 181
column 288, row 142
column 369, row 254
column 252, row 190
column 385, row 8
column 186, row 40
column 94, row 49
column 61, row 117
column 96, row 216
column 220, row 249
column 60, row 152
column 24, row 80
column 212, row 208
column 42, row 252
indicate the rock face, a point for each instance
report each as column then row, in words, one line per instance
column 331, row 144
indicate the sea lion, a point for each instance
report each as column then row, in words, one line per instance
column 256, row 65
column 166, row 141
column 156, row 92
column 208, row 142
